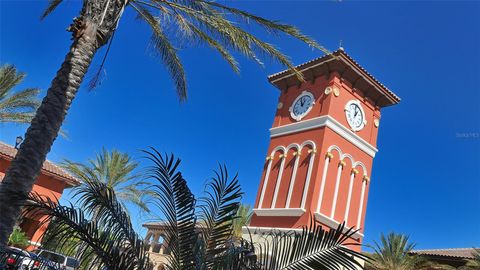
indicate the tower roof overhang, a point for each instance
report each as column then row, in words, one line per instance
column 349, row 70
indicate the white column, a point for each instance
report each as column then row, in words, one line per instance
column 337, row 186
column 279, row 179
column 309, row 175
column 265, row 181
column 292, row 180
column 328, row 156
column 362, row 197
column 349, row 199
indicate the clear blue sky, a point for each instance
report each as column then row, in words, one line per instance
column 426, row 176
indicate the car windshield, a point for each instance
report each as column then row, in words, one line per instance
column 57, row 258
column 71, row 262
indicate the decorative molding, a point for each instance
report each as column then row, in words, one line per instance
column 279, row 212
column 279, row 181
column 322, row 184
column 328, row 90
column 262, row 230
column 335, row 194
column 292, row 179
column 329, row 122
column 265, row 183
column 309, row 170
column 336, row 91
column 349, row 198
column 360, row 208
column 334, row 224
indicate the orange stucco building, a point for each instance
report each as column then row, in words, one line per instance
column 322, row 144
column 51, row 182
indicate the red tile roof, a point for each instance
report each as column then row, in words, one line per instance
column 8, row 152
column 464, row 253
column 339, row 56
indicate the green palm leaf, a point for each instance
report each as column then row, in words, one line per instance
column 116, row 170
column 110, row 238
column 177, row 204
column 217, row 215
column 312, row 248
column 18, row 107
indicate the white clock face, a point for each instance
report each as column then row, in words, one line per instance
column 355, row 115
column 302, row 105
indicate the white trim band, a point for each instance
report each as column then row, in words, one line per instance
column 279, row 212
column 329, row 122
column 334, row 224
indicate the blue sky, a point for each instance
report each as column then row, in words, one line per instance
column 426, row 175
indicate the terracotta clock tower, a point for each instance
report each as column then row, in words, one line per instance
column 323, row 141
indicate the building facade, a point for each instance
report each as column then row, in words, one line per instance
column 51, row 183
column 322, row 144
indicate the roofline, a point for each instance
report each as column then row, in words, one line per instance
column 70, row 181
column 431, row 252
column 336, row 55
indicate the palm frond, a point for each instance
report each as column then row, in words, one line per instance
column 24, row 100
column 114, row 244
column 217, row 212
column 312, row 248
column 211, row 23
column 52, row 5
column 242, row 218
column 9, row 78
column 116, row 170
column 271, row 26
column 393, row 252
column 177, row 203
column 167, row 52
column 20, row 106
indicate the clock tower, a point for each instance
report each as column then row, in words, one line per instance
column 322, row 144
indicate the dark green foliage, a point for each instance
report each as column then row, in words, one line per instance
column 199, row 233
column 18, row 239
column 110, row 237
column 18, row 107
column 175, row 24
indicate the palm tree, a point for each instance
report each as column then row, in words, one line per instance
column 393, row 253
column 16, row 107
column 473, row 263
column 244, row 214
column 198, row 232
column 116, row 170
column 201, row 21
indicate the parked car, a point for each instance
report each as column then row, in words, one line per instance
column 12, row 258
column 54, row 260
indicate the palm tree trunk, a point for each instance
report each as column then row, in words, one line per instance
column 25, row 167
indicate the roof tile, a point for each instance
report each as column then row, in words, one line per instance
column 8, row 152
